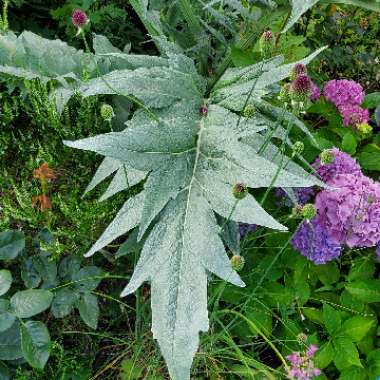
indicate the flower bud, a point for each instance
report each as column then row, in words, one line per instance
column 297, row 211
column 284, row 95
column 203, row 110
column 327, row 157
column 308, row 211
column 298, row 147
column 300, row 89
column 79, row 18
column 106, row 112
column 239, row 191
column 249, row 111
column 237, row 262
column 267, row 44
column 302, row 337
column 297, row 70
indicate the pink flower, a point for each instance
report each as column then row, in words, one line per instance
column 344, row 92
column 350, row 211
column 79, row 18
column 315, row 92
column 302, row 366
column 353, row 115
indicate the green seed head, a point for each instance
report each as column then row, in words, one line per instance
column 249, row 111
column 106, row 111
column 239, row 191
column 298, row 147
column 267, row 44
column 327, row 157
column 364, row 128
column 237, row 262
column 284, row 95
column 308, row 211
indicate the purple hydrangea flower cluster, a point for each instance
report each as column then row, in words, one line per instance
column 350, row 210
column 302, row 366
column 343, row 92
column 347, row 95
column 354, row 115
column 342, row 163
column 313, row 241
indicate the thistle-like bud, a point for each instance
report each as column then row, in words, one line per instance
column 302, row 338
column 79, row 18
column 267, row 44
column 298, row 147
column 364, row 128
column 308, row 211
column 284, row 95
column 300, row 89
column 249, row 111
column 237, row 262
column 106, row 112
column 239, row 191
column 327, row 157
column 297, row 70
column 203, row 110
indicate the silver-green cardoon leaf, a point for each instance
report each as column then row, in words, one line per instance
column 191, row 161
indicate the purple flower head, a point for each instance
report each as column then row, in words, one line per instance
column 203, row 110
column 315, row 92
column 378, row 251
column 303, row 195
column 302, row 84
column 344, row 92
column 297, row 70
column 341, row 164
column 79, row 18
column 313, row 241
column 350, row 210
column 268, row 35
column 302, row 366
column 353, row 115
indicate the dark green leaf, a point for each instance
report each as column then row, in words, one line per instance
column 63, row 302
column 88, row 278
column 28, row 303
column 324, row 355
column 29, row 274
column 357, row 327
column 35, row 343
column 7, row 318
column 4, row 372
column 10, row 343
column 371, row 100
column 367, row 291
column 88, row 309
column 11, row 244
column 353, row 373
column 332, row 319
column 5, row 281
column 369, row 157
column 349, row 143
column 346, row 354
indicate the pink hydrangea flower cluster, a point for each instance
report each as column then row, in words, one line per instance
column 347, row 95
column 302, row 366
column 350, row 211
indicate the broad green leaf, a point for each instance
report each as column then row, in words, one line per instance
column 346, row 353
column 11, row 244
column 191, row 161
column 6, row 316
column 324, row 355
column 29, row 273
column 369, row 157
column 372, row 100
column 88, row 309
column 373, row 361
column 27, row 303
column 88, row 278
column 4, row 372
column 349, row 143
column 5, row 281
column 367, row 291
column 10, row 343
column 63, row 302
column 332, row 319
column 35, row 343
column 356, row 327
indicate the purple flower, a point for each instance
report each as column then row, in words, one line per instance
column 378, row 251
column 344, row 92
column 267, row 35
column 342, row 164
column 315, row 92
column 301, row 85
column 302, row 366
column 350, row 210
column 79, row 18
column 353, row 115
column 313, row 241
column 303, row 195
column 244, row 228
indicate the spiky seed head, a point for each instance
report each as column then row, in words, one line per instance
column 267, row 44
column 327, row 157
column 284, row 95
column 249, row 111
column 298, row 147
column 297, row 70
column 302, row 338
column 237, row 262
column 106, row 112
column 308, row 211
column 300, row 89
column 239, row 191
